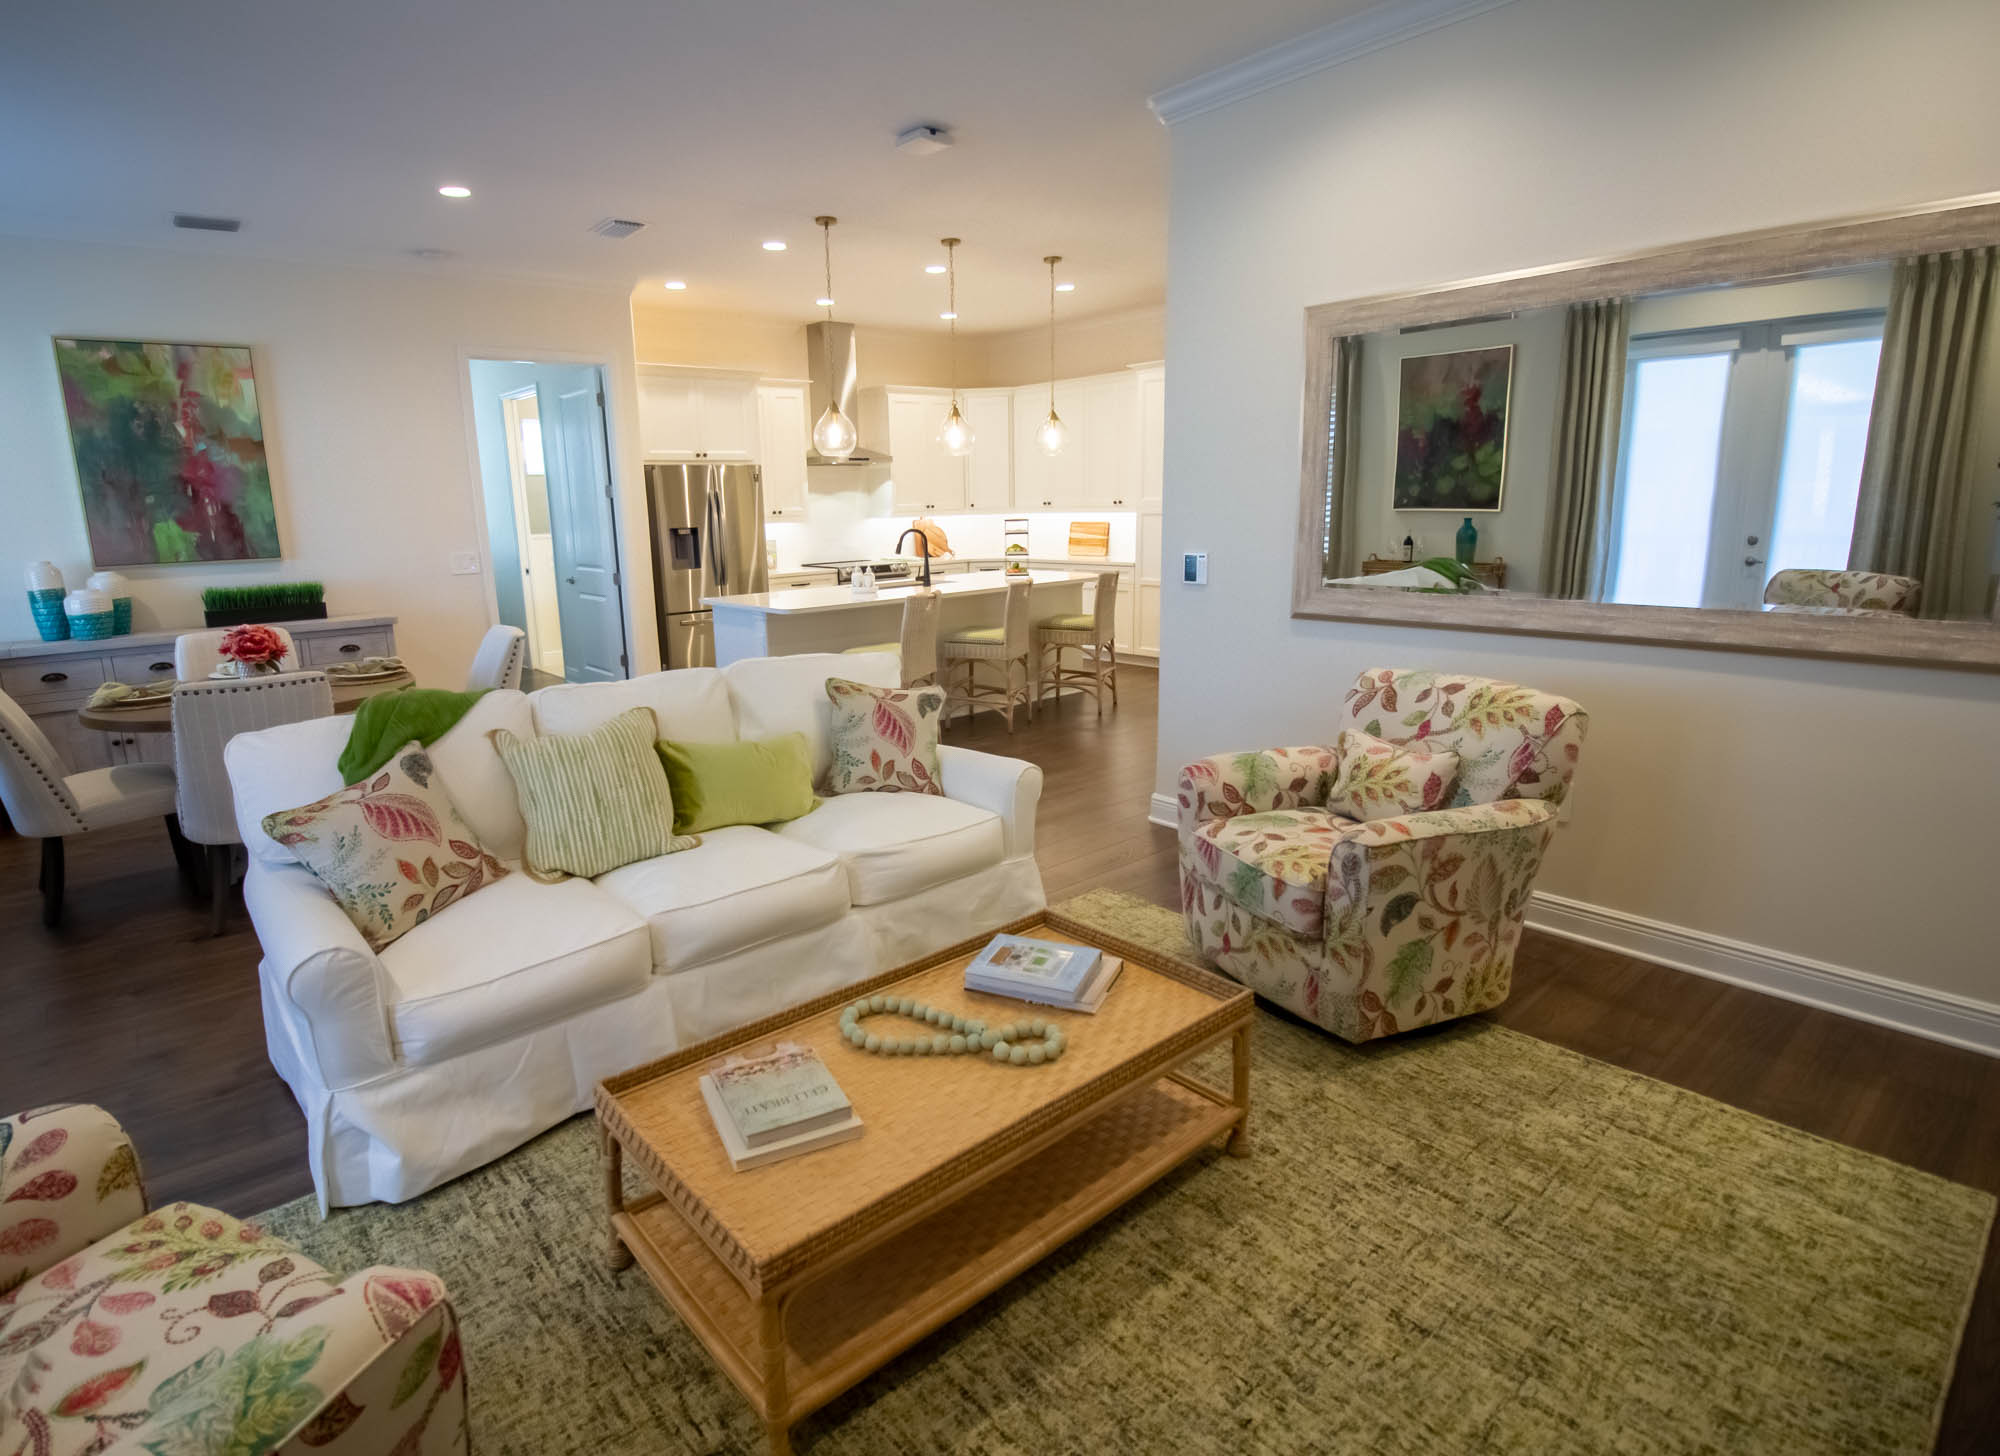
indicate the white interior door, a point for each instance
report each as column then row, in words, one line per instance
column 586, row 535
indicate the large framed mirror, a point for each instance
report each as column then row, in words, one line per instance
column 1781, row 441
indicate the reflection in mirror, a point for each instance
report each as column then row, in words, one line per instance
column 1801, row 445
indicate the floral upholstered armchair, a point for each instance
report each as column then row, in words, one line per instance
column 1843, row 591
column 1377, row 927
column 184, row 1331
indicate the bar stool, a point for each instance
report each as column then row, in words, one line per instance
column 1009, row 645
column 919, row 647
column 1094, row 636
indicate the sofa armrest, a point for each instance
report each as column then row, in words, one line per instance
column 391, row 1364
column 321, row 967
column 1227, row 784
column 1423, row 912
column 68, row 1177
column 1009, row 787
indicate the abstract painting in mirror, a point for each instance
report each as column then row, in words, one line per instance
column 1782, row 441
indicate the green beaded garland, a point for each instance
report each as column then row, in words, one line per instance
column 949, row 1035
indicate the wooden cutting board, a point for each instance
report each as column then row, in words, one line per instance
column 1090, row 538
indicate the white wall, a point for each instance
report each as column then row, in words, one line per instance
column 361, row 376
column 1826, row 810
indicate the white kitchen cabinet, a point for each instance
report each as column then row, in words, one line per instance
column 926, row 479
column 989, row 469
column 1152, row 440
column 1049, row 482
column 696, row 417
column 1110, row 452
column 782, row 437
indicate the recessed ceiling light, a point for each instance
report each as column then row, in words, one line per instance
column 453, row 189
column 933, row 267
column 1065, row 288
column 674, row 285
column 774, row 245
column 823, row 302
column 947, row 315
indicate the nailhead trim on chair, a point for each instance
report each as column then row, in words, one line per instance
column 60, row 790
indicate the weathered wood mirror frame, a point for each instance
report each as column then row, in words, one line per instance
column 1763, row 256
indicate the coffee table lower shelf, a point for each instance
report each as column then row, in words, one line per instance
column 842, row 1323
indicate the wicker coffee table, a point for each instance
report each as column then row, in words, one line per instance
column 802, row 1277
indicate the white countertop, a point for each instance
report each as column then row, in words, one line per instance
column 836, row 598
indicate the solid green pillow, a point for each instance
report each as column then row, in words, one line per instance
column 758, row 781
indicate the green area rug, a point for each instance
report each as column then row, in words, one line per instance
column 1460, row 1241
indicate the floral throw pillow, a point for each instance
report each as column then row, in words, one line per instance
column 1376, row 779
column 884, row 739
column 392, row 849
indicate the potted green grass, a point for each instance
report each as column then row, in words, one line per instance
column 280, row 601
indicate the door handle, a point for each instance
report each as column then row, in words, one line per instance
column 1753, row 561
column 570, row 579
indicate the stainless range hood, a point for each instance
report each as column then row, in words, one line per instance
column 830, row 365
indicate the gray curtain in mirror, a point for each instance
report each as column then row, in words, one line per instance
column 1907, row 522
column 1576, row 542
column 1343, row 458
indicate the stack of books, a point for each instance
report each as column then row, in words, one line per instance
column 776, row 1105
column 1046, row 972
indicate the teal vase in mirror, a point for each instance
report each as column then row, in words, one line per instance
column 1468, row 541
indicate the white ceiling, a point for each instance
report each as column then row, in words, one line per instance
column 327, row 129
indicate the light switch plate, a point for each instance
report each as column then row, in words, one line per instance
column 465, row 563
column 1194, row 568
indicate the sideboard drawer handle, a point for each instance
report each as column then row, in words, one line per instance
column 350, row 647
column 161, row 667
column 55, row 677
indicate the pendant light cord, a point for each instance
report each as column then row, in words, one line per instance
column 826, row 340
column 1052, row 330
column 951, row 307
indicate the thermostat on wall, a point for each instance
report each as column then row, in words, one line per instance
column 1194, row 568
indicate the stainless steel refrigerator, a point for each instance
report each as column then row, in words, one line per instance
column 708, row 541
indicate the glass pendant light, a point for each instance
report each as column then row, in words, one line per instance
column 956, row 434
column 1053, row 434
column 834, row 435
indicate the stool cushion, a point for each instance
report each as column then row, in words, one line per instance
column 979, row 634
column 1072, row 622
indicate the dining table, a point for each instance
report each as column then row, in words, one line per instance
column 157, row 716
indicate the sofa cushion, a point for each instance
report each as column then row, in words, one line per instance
column 471, row 769
column 741, row 887
column 884, row 740
column 687, row 702
column 1376, row 779
column 751, row 781
column 776, row 695
column 527, row 954
column 592, row 801
column 277, row 768
column 894, row 845
column 1272, row 864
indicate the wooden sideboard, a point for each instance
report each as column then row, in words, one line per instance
column 51, row 680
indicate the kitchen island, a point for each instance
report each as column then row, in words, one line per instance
column 832, row 619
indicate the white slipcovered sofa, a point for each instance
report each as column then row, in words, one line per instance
column 494, row 1021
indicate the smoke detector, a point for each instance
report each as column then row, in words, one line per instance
column 616, row 227
column 195, row 222
column 922, row 141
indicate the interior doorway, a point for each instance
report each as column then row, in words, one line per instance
column 545, row 473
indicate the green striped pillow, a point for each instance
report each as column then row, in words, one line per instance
column 592, row 801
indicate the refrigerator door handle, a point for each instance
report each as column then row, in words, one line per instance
column 718, row 563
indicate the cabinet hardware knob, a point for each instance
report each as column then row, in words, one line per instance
column 161, row 667
column 350, row 647
column 55, row 677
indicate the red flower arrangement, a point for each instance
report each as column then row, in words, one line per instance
column 253, row 646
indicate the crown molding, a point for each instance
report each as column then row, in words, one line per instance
column 1317, row 50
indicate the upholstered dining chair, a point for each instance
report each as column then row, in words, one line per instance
column 918, row 647
column 1410, row 914
column 1815, row 589
column 206, row 716
column 1007, row 646
column 49, row 803
column 1092, row 635
column 197, row 654
column 497, row 663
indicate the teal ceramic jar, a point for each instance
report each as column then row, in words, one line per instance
column 45, row 602
column 1468, row 542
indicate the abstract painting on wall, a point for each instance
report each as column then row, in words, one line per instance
column 169, row 449
column 1451, row 430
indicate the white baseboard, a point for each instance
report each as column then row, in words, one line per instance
column 1936, row 1015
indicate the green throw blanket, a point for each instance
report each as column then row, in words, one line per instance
column 385, row 722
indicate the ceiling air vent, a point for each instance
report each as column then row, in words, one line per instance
column 195, row 222
column 616, row 227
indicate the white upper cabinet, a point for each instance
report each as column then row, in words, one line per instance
column 1049, row 482
column 782, row 436
column 1110, row 443
column 989, row 469
column 1152, row 439
column 926, row 479
column 697, row 417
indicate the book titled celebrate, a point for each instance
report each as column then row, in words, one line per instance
column 777, row 1105
column 1046, row 972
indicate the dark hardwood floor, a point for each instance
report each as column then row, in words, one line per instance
column 129, row 1006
